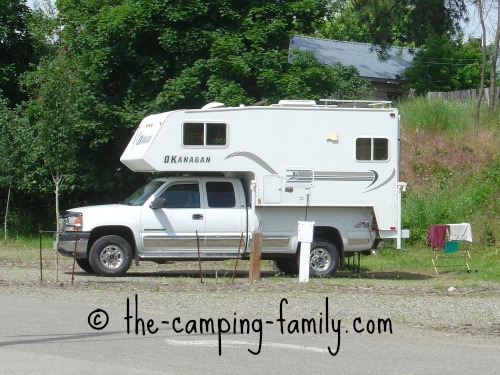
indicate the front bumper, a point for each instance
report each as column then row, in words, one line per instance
column 66, row 246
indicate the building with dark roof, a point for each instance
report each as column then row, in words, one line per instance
column 385, row 75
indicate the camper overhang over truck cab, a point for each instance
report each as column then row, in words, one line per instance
column 231, row 171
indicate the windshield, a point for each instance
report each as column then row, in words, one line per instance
column 142, row 194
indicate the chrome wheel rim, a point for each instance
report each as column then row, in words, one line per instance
column 320, row 259
column 112, row 256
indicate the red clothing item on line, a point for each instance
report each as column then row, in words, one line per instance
column 437, row 235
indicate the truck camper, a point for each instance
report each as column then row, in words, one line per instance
column 231, row 171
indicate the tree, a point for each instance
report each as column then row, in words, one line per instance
column 444, row 65
column 44, row 29
column 7, row 156
column 342, row 23
column 16, row 48
column 251, row 63
column 484, row 10
column 484, row 62
column 494, row 58
column 148, row 56
column 59, row 118
column 145, row 56
column 393, row 22
column 305, row 77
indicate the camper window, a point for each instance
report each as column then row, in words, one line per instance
column 380, row 149
column 372, row 149
column 204, row 134
column 193, row 134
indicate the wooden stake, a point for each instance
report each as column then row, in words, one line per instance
column 255, row 257
column 41, row 263
column 199, row 257
column 74, row 258
column 237, row 257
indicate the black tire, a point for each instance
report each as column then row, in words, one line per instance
column 110, row 256
column 324, row 259
column 84, row 264
column 289, row 266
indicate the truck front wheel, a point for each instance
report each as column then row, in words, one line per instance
column 84, row 264
column 324, row 258
column 110, row 256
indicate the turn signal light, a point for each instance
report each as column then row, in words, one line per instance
column 77, row 223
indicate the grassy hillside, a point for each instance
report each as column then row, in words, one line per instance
column 452, row 170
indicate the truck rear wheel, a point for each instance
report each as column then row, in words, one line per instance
column 289, row 266
column 110, row 256
column 324, row 258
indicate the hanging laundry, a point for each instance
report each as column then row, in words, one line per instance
column 459, row 232
column 436, row 235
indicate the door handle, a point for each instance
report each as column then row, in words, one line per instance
column 197, row 217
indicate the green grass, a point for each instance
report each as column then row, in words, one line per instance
column 410, row 266
column 443, row 115
column 24, row 250
column 416, row 261
column 440, row 115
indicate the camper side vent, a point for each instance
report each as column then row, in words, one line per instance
column 299, row 177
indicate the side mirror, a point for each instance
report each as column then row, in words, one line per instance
column 157, row 203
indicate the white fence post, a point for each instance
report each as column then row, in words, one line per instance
column 305, row 237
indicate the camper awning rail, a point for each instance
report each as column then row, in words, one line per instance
column 357, row 103
column 335, row 103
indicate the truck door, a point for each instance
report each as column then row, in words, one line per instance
column 225, row 218
column 175, row 229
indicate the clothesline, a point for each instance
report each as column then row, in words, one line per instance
column 437, row 233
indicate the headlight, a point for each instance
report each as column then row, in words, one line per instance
column 70, row 222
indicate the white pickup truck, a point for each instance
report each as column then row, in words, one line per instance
column 174, row 218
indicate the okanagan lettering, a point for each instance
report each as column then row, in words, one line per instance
column 176, row 159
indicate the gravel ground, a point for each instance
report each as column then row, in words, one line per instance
column 175, row 288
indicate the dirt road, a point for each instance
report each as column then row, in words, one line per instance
column 162, row 319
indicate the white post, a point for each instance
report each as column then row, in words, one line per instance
column 305, row 237
column 401, row 186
